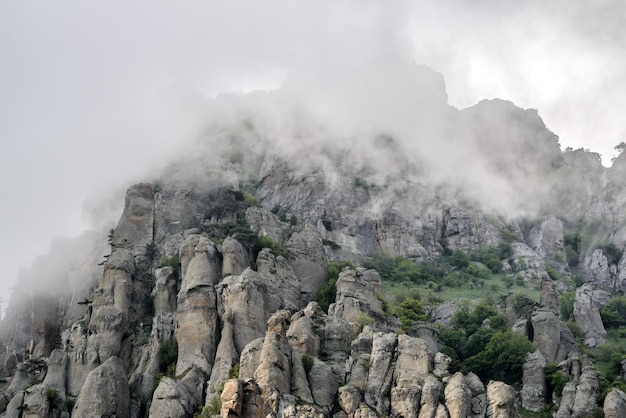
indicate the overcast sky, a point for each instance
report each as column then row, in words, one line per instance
column 79, row 80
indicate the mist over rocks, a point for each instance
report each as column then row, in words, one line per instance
column 207, row 300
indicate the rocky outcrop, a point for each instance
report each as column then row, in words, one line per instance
column 106, row 392
column 546, row 239
column 615, row 404
column 171, row 399
column 587, row 316
column 356, row 298
column 469, row 230
column 501, row 398
column 534, row 388
column 580, row 394
column 458, row 397
column 197, row 305
column 546, row 333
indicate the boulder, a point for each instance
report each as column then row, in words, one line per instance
column 105, row 392
column 615, row 404
column 501, row 399
column 171, row 400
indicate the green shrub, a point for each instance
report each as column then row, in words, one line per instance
column 459, row 259
column 69, row 404
column 397, row 269
column 566, row 305
column 169, row 261
column 409, row 311
column 502, row 359
column 307, row 362
column 612, row 252
column 168, row 355
column 490, row 257
column 556, row 379
column 233, row 372
column 614, row 313
column 276, row 247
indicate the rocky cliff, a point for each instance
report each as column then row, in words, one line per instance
column 206, row 298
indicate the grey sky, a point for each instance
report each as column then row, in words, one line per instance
column 81, row 83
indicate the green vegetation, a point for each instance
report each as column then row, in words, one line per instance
column 326, row 294
column 52, row 398
column 69, row 403
column 566, row 305
column 151, row 250
column 502, row 358
column 276, row 248
column 614, row 313
column 307, row 362
column 612, row 253
column 169, row 261
column 409, row 311
column 491, row 352
column 556, row 379
column 398, row 269
column 168, row 356
column 233, row 372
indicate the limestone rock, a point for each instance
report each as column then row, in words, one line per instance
column 587, row 390
column 232, row 398
column 533, row 392
column 546, row 239
column 587, row 316
column 546, row 330
column 468, row 230
column 235, row 258
column 197, row 306
column 323, row 384
column 501, row 398
column 349, row 399
column 105, row 392
column 171, row 400
column 458, row 397
column 615, row 404
column 442, row 363
column 431, row 391
column 250, row 358
column 414, row 361
column 356, row 296
column 380, row 372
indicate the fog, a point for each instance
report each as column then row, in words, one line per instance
column 97, row 96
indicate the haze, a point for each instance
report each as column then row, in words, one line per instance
column 86, row 106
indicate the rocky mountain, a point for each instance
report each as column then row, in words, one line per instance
column 258, row 274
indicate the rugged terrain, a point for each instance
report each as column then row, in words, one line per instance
column 211, row 294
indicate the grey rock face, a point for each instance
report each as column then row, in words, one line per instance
column 356, row 296
column 587, row 316
column 197, row 306
column 235, row 257
column 171, row 400
column 546, row 239
column 501, row 398
column 534, row 382
column 458, row 397
column 105, row 392
column 547, row 328
column 615, row 404
column 468, row 230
